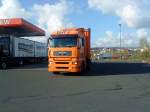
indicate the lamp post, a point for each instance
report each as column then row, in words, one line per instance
column 120, row 38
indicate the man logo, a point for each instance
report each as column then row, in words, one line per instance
column 4, row 21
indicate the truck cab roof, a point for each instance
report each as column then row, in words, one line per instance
column 68, row 32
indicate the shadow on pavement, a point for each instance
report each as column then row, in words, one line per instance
column 30, row 66
column 100, row 69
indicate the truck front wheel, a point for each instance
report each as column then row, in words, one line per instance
column 83, row 67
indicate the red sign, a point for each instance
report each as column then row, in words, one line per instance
column 4, row 21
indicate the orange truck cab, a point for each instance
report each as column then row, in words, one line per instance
column 69, row 50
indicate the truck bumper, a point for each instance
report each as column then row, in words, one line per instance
column 63, row 68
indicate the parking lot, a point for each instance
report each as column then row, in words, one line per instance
column 107, row 87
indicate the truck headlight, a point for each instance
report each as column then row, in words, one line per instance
column 75, row 63
column 50, row 62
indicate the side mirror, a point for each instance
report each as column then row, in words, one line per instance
column 48, row 42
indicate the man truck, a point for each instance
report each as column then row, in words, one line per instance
column 69, row 50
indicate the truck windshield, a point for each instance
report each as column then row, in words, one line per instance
column 4, row 46
column 63, row 42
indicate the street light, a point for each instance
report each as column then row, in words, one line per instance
column 120, row 38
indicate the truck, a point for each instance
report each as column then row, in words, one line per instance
column 69, row 50
column 20, row 50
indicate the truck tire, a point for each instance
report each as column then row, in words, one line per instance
column 88, row 68
column 83, row 67
column 4, row 65
column 88, row 63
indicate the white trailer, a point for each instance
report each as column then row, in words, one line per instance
column 23, row 47
column 19, row 50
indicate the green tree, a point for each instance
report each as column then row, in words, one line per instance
column 144, row 45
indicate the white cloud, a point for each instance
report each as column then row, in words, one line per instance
column 127, row 40
column 12, row 9
column 141, row 33
column 135, row 13
column 50, row 17
column 107, row 41
column 129, row 15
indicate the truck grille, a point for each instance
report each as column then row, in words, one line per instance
column 61, row 62
column 62, row 67
column 62, row 53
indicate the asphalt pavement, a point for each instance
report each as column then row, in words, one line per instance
column 107, row 87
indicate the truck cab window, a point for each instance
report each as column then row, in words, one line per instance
column 63, row 42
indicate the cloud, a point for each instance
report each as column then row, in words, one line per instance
column 108, row 40
column 135, row 13
column 127, row 40
column 13, row 9
column 50, row 17
column 141, row 33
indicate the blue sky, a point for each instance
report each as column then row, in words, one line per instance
column 86, row 17
column 102, row 16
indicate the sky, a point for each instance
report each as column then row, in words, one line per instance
column 102, row 16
